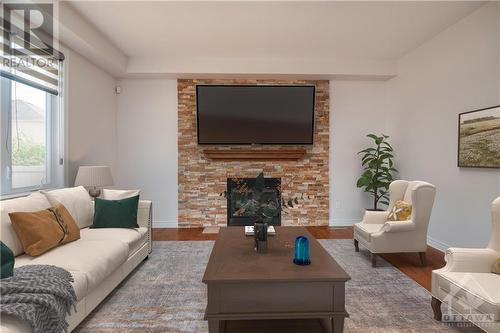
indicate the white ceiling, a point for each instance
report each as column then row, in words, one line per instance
column 377, row 30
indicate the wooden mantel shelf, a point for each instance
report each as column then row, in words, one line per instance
column 252, row 154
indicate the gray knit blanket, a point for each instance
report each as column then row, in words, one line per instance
column 42, row 295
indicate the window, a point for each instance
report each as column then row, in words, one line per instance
column 31, row 128
column 30, row 137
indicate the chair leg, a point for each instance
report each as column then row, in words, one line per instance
column 422, row 258
column 436, row 307
column 356, row 245
column 374, row 260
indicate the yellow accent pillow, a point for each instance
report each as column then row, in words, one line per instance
column 496, row 267
column 41, row 231
column 400, row 212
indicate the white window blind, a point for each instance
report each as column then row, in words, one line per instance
column 28, row 59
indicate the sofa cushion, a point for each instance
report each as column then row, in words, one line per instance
column 119, row 194
column 78, row 202
column 31, row 203
column 479, row 290
column 45, row 229
column 95, row 259
column 134, row 238
column 80, row 284
column 7, row 259
column 366, row 229
column 116, row 213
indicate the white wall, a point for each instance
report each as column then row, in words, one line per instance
column 91, row 115
column 356, row 109
column 135, row 132
column 147, row 144
column 456, row 71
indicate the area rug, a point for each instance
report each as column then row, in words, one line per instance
column 165, row 294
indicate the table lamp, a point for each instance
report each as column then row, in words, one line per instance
column 93, row 178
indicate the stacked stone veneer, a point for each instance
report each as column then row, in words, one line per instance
column 201, row 180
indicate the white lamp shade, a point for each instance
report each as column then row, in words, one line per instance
column 97, row 176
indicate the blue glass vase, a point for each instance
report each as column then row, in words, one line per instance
column 302, row 256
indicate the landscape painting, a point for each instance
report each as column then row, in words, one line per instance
column 479, row 138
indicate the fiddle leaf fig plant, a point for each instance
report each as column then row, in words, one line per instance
column 378, row 169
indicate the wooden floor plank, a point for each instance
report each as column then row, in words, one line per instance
column 408, row 263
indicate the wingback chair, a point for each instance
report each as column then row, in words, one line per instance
column 381, row 236
column 466, row 283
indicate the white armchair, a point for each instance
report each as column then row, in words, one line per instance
column 466, row 284
column 381, row 236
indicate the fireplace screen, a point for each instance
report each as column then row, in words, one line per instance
column 248, row 200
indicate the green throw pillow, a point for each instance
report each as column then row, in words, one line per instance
column 7, row 259
column 116, row 213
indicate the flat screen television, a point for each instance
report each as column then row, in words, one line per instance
column 245, row 114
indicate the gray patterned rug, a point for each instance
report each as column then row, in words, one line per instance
column 165, row 294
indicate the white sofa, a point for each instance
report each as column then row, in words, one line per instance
column 467, row 285
column 380, row 236
column 98, row 261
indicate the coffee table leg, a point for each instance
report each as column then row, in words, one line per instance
column 216, row 326
column 338, row 325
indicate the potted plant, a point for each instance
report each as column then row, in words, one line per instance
column 378, row 170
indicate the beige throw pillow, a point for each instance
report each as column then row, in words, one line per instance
column 119, row 194
column 496, row 267
column 77, row 201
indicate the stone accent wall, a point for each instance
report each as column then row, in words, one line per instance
column 201, row 180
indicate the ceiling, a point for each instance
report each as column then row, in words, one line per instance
column 376, row 30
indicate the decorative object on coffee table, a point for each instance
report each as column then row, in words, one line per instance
column 94, row 178
column 260, row 236
column 302, row 256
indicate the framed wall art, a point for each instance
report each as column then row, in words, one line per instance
column 479, row 138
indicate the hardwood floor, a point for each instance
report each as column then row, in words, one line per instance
column 408, row 263
column 186, row 234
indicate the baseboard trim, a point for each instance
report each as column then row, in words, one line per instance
column 343, row 222
column 165, row 224
column 438, row 245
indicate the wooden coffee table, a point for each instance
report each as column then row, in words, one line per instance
column 244, row 286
